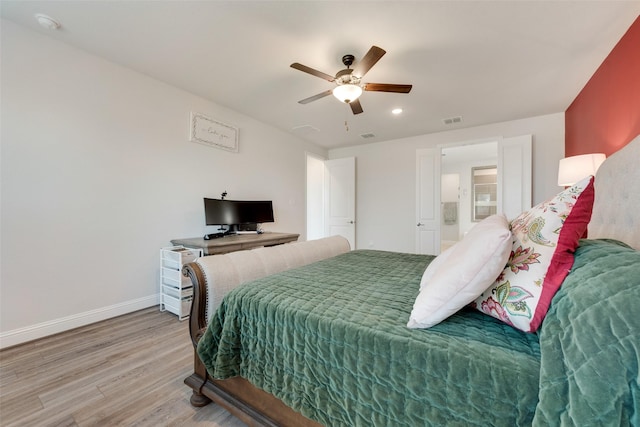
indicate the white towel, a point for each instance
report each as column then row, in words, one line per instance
column 450, row 212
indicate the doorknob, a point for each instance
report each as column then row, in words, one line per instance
column 351, row 222
column 419, row 224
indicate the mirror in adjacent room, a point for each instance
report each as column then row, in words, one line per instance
column 485, row 192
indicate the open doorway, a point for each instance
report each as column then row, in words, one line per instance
column 464, row 170
column 331, row 202
column 512, row 161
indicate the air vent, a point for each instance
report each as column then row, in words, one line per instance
column 452, row 120
column 305, row 129
column 368, row 135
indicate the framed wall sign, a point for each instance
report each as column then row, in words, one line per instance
column 213, row 133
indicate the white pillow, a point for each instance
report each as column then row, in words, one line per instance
column 471, row 266
column 434, row 265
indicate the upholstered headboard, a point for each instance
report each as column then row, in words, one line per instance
column 616, row 209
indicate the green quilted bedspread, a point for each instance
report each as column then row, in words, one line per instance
column 590, row 342
column 330, row 340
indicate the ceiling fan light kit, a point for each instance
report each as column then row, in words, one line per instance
column 348, row 81
column 347, row 93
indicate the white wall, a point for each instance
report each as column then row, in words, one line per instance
column 315, row 197
column 386, row 180
column 98, row 174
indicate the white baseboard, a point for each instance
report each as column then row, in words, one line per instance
column 30, row 333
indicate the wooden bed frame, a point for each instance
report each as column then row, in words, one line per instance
column 250, row 404
column 614, row 216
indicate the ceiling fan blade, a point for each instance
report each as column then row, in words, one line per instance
column 385, row 87
column 356, row 107
column 368, row 61
column 311, row 71
column 315, row 97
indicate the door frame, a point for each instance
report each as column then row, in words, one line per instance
column 316, row 199
column 518, row 174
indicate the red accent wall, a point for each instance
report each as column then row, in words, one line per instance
column 605, row 116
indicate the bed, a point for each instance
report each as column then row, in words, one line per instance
column 324, row 340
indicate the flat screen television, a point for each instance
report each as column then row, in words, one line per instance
column 237, row 214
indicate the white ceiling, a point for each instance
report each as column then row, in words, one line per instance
column 488, row 61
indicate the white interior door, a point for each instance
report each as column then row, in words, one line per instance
column 428, row 201
column 340, row 198
column 514, row 175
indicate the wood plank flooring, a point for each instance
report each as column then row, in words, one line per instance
column 126, row 371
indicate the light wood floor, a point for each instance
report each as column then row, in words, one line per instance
column 126, row 371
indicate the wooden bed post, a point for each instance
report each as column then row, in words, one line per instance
column 197, row 326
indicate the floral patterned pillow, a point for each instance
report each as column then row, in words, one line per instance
column 545, row 239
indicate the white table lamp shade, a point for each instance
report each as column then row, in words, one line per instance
column 573, row 169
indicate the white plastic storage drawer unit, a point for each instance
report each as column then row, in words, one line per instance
column 176, row 290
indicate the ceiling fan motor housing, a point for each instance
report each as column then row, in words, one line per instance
column 348, row 60
column 344, row 77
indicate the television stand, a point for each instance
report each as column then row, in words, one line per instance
column 235, row 242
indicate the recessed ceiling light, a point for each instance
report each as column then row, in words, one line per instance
column 47, row 22
column 396, row 111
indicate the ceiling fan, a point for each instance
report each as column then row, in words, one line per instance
column 349, row 84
